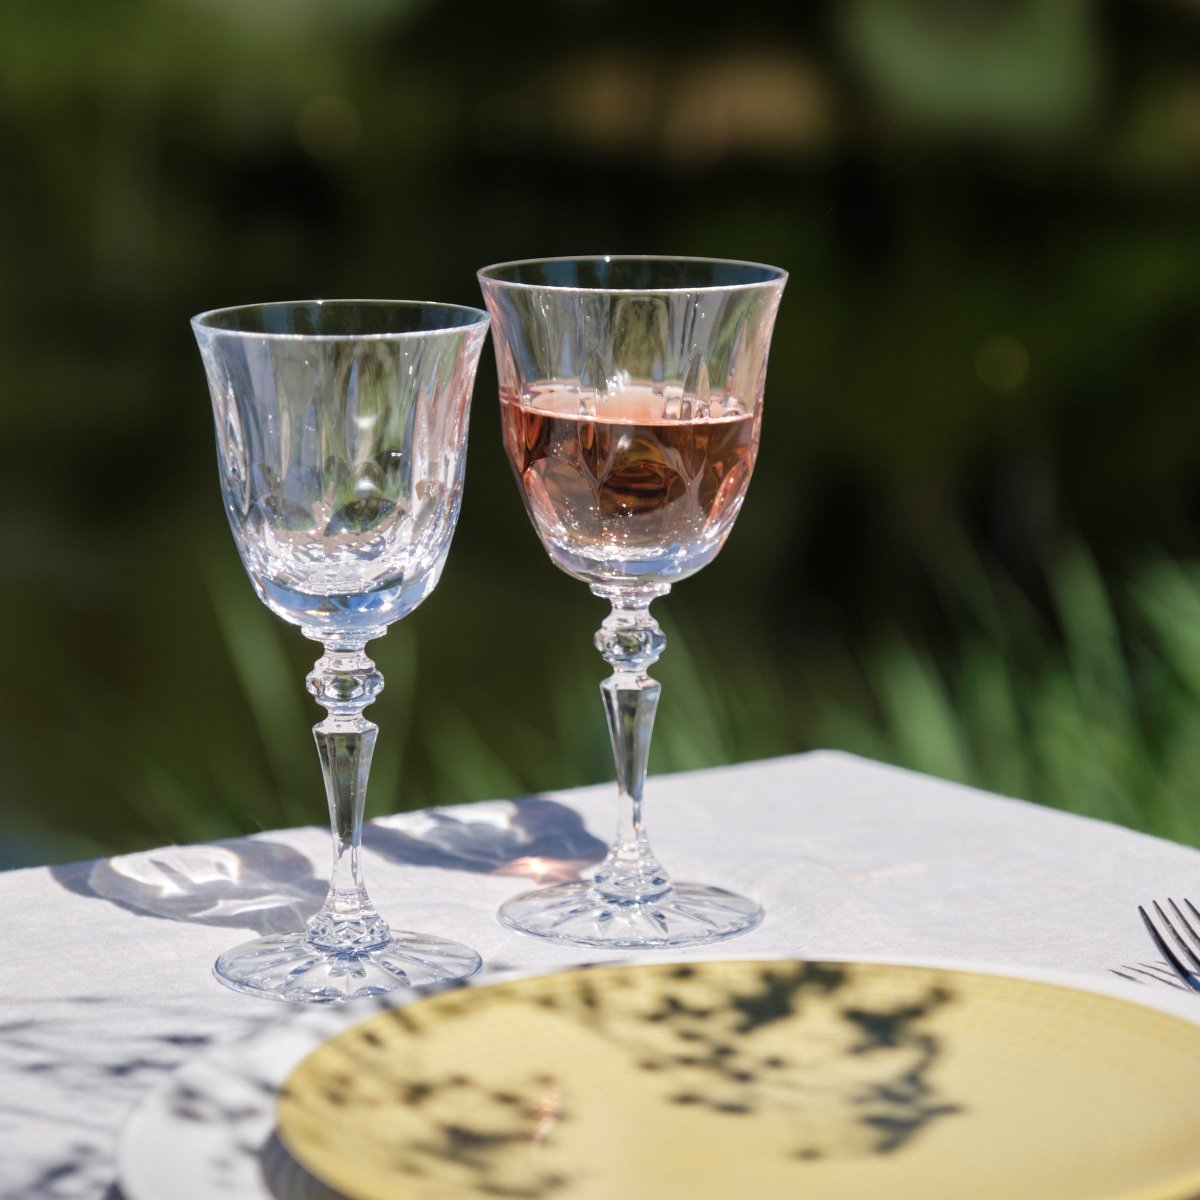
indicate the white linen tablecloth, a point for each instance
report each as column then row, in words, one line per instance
column 105, row 979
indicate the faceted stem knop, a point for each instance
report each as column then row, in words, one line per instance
column 631, row 641
column 344, row 680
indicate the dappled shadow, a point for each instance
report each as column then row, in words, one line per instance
column 532, row 837
column 215, row 1119
column 841, row 1062
column 857, row 1076
column 74, row 1067
column 82, row 1171
column 246, row 884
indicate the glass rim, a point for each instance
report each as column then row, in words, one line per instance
column 204, row 320
column 775, row 275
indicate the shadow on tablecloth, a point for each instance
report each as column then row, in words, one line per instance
column 251, row 884
column 267, row 887
column 533, row 837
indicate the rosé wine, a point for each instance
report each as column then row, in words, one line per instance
column 634, row 484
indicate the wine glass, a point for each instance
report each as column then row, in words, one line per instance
column 341, row 441
column 631, row 404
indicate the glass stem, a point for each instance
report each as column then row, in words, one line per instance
column 630, row 640
column 344, row 681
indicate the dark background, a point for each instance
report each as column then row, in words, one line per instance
column 970, row 543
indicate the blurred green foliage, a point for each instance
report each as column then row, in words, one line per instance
column 970, row 543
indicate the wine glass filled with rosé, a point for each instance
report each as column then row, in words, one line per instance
column 631, row 406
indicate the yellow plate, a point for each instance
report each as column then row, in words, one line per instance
column 755, row 1080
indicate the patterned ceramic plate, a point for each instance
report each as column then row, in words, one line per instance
column 757, row 1080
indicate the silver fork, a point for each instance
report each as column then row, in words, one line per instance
column 1183, row 932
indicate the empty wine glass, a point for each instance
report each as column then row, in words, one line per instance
column 341, row 441
column 631, row 403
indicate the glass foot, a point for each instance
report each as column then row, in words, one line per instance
column 289, row 967
column 685, row 915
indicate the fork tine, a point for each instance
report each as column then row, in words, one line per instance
column 1162, row 975
column 1195, row 910
column 1159, row 973
column 1156, row 968
column 1185, row 922
column 1164, row 949
column 1177, row 936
